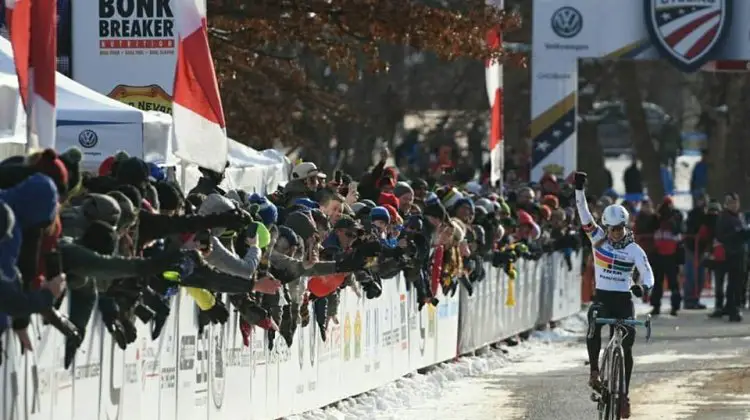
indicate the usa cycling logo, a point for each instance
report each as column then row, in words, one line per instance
column 567, row 22
column 688, row 32
column 88, row 138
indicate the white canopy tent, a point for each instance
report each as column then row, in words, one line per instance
column 249, row 170
column 98, row 125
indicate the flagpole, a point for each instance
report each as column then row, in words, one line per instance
column 31, row 143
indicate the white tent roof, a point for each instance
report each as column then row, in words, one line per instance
column 76, row 102
column 12, row 117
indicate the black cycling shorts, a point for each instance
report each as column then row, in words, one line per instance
column 611, row 304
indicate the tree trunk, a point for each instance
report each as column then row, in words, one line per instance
column 627, row 77
column 735, row 158
column 590, row 155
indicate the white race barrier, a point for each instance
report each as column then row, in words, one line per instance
column 543, row 291
column 214, row 376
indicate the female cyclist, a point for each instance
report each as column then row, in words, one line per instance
column 615, row 256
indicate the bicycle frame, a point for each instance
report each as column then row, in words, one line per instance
column 614, row 345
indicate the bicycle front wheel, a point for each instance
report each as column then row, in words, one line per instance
column 616, row 384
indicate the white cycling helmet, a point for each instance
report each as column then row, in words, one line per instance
column 615, row 215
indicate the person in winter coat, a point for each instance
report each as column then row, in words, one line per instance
column 668, row 256
column 34, row 202
column 14, row 301
column 226, row 260
column 694, row 250
column 699, row 177
column 632, row 179
column 732, row 233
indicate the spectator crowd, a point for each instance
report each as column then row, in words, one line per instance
column 123, row 241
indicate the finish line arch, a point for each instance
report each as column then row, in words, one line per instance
column 688, row 33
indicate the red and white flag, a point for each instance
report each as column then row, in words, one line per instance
column 494, row 83
column 198, row 117
column 33, row 35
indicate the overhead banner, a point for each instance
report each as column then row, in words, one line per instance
column 127, row 50
column 688, row 33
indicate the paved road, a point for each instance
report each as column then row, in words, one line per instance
column 694, row 368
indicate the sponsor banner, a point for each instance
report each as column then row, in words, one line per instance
column 567, row 278
column 98, row 140
column 688, row 33
column 499, row 308
column 127, row 49
column 185, row 375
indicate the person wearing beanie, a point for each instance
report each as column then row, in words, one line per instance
column 551, row 201
column 394, row 217
column 169, row 197
column 133, row 171
column 156, row 173
column 322, row 223
column 464, row 210
column 127, row 210
column 94, row 207
column 380, row 219
column 267, row 211
column 152, row 197
column 356, row 207
column 420, row 188
column 71, row 158
column 363, row 213
column 390, row 199
column 14, row 301
column 302, row 224
column 105, row 168
column 367, row 202
column 48, row 163
column 306, row 202
column 405, row 195
column 435, row 214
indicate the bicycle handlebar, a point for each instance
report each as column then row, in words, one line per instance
column 629, row 322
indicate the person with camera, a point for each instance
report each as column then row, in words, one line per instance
column 616, row 255
column 732, row 233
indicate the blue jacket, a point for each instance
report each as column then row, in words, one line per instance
column 699, row 178
column 667, row 181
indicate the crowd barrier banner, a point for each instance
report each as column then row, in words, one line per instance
column 544, row 290
column 186, row 375
column 567, row 279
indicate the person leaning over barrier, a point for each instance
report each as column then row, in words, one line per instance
column 615, row 255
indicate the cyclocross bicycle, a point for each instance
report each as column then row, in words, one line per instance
column 612, row 376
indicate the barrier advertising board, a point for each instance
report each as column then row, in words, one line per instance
column 184, row 374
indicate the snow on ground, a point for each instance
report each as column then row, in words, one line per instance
column 459, row 386
column 415, row 396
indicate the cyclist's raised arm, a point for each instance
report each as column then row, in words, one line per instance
column 642, row 264
column 594, row 232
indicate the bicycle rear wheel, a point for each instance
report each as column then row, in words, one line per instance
column 616, row 384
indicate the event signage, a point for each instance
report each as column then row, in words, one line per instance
column 127, row 50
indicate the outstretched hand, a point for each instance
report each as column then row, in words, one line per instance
column 580, row 180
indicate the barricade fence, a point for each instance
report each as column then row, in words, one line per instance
column 186, row 376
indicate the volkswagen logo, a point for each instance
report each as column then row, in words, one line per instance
column 567, row 22
column 88, row 138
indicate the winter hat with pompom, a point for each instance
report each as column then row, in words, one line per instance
column 48, row 163
column 266, row 209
